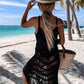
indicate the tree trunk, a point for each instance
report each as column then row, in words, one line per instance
column 68, row 20
column 72, row 24
column 72, row 17
column 72, row 13
column 77, row 26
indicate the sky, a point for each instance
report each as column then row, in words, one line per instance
column 11, row 12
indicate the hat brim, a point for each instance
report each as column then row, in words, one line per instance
column 46, row 1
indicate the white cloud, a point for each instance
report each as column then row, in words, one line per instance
column 61, row 15
column 35, row 6
column 14, row 4
column 10, row 16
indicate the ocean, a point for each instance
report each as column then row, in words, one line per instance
column 8, row 31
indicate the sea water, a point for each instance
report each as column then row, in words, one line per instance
column 8, row 31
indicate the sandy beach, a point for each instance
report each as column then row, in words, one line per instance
column 16, row 51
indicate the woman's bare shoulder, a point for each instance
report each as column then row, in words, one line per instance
column 31, row 22
column 60, row 20
column 60, row 25
column 34, row 19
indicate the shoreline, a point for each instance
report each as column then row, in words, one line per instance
column 20, row 39
column 15, row 40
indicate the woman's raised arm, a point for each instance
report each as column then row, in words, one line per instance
column 24, row 22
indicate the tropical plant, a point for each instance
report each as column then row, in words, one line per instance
column 74, row 5
column 62, row 3
column 79, row 3
column 68, row 20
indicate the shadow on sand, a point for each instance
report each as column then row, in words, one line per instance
column 80, row 39
column 76, row 69
column 7, row 74
column 18, row 60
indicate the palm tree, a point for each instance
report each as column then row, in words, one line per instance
column 73, row 4
column 68, row 17
column 68, row 20
column 79, row 3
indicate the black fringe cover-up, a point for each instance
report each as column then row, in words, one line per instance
column 43, row 67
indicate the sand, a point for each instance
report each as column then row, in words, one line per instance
column 16, row 51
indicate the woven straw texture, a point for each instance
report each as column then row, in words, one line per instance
column 66, row 62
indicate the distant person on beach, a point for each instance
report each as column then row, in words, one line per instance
column 43, row 67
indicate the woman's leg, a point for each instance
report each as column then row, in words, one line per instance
column 25, row 80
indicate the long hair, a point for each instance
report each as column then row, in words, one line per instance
column 46, row 9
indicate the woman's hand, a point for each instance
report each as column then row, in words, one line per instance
column 30, row 5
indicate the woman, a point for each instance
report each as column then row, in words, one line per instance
column 43, row 67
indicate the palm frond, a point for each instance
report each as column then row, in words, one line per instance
column 15, row 59
column 73, row 1
column 62, row 4
column 79, row 3
column 56, row 2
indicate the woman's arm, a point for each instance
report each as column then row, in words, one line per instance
column 24, row 79
column 61, row 31
column 24, row 22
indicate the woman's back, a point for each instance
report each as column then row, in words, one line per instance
column 53, row 21
column 43, row 66
column 41, row 39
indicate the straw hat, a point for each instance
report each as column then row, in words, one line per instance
column 46, row 1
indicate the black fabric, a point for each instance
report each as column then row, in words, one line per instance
column 43, row 66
